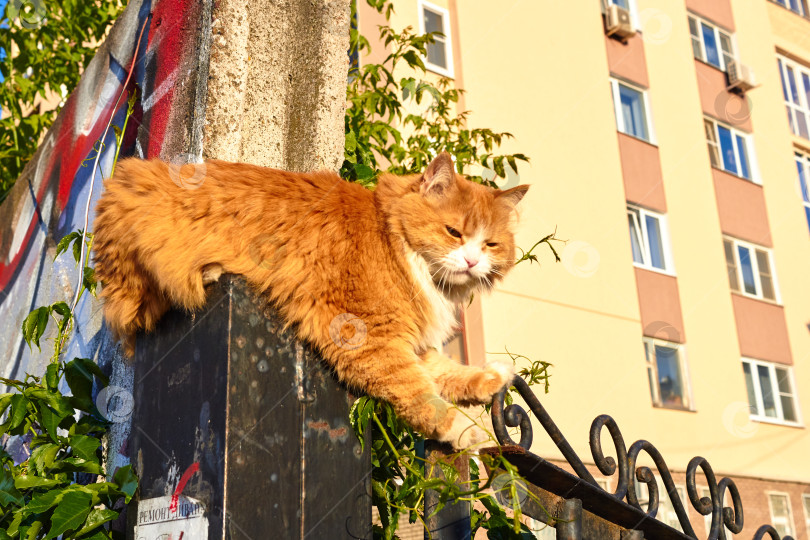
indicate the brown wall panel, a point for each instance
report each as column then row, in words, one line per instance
column 728, row 107
column 741, row 206
column 717, row 11
column 660, row 306
column 641, row 169
column 761, row 330
column 627, row 59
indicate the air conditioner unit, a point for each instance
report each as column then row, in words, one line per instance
column 618, row 22
column 740, row 77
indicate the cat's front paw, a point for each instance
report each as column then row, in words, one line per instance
column 496, row 375
column 464, row 432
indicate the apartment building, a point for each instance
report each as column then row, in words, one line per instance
column 670, row 146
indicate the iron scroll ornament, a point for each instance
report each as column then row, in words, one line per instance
column 731, row 517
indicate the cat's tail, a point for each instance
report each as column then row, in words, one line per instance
column 132, row 299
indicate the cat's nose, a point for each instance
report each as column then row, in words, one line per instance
column 470, row 262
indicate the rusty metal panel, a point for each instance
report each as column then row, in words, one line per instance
column 253, row 418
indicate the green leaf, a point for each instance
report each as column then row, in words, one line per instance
column 90, row 280
column 84, row 447
column 52, row 377
column 50, row 421
column 25, row 481
column 44, row 501
column 63, row 244
column 71, row 513
column 127, row 481
column 42, row 456
column 34, row 325
column 8, row 492
column 97, row 517
column 19, row 409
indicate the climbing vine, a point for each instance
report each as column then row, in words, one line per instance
column 397, row 120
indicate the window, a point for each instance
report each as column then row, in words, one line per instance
column 710, row 44
column 648, row 239
column 796, row 91
column 806, row 505
column 725, row 534
column 730, row 149
column 632, row 110
column 803, row 168
column 796, row 6
column 770, row 389
column 781, row 518
column 750, row 269
column 630, row 6
column 439, row 53
column 667, row 374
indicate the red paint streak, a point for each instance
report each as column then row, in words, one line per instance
column 182, row 484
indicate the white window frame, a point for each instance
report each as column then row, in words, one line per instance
column 788, row 521
column 717, row 31
column 802, row 107
column 617, row 107
column 753, row 165
column 448, row 39
column 644, row 241
column 806, row 508
column 652, row 371
column 752, row 248
column 780, row 415
column 707, row 520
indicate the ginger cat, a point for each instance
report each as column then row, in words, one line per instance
column 370, row 278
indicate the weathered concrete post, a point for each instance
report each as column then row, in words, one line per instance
column 237, row 430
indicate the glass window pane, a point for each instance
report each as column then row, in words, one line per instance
column 433, row 22
column 806, row 81
column 788, row 412
column 807, row 215
column 725, row 46
column 783, row 380
column 712, row 53
column 633, row 114
column 655, row 244
column 711, row 139
column 669, row 376
column 727, row 149
column 794, row 92
column 765, row 279
column 749, row 386
column 801, row 124
column 766, row 387
column 742, row 150
column 635, row 236
column 802, row 170
column 728, row 247
column 695, row 34
column 622, row 3
column 747, row 268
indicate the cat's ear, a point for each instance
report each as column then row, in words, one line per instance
column 439, row 175
column 514, row 195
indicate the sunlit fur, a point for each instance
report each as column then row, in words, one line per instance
column 319, row 247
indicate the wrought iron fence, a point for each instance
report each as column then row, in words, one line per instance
column 584, row 509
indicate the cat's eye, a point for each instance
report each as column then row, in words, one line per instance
column 452, row 232
column 492, row 244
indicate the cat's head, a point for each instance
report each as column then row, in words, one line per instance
column 462, row 229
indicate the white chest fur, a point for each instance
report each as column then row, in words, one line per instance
column 442, row 314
